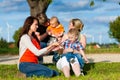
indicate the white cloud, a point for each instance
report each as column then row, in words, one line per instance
column 78, row 3
column 114, row 0
column 105, row 19
column 13, row 5
column 5, row 3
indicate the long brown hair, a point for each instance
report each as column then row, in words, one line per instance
column 26, row 27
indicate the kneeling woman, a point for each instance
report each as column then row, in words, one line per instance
column 29, row 50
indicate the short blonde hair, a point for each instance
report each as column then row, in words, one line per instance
column 54, row 18
column 74, row 32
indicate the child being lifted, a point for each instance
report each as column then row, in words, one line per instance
column 55, row 29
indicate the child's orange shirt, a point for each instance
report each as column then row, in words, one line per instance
column 56, row 31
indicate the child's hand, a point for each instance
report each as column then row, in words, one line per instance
column 55, row 44
column 68, row 50
column 86, row 61
column 76, row 51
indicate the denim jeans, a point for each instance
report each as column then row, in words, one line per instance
column 32, row 69
column 43, row 44
column 80, row 60
column 56, row 57
column 70, row 55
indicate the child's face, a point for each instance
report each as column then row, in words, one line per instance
column 53, row 23
column 72, row 37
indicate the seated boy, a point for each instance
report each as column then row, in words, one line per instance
column 72, row 44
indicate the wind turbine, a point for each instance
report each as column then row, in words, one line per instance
column 1, row 31
column 100, row 39
column 93, row 39
column 8, row 30
column 89, row 36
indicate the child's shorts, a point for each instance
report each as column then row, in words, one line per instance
column 62, row 62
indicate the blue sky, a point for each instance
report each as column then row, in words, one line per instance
column 96, row 19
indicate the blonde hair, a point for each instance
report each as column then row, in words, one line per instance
column 74, row 32
column 54, row 18
column 77, row 23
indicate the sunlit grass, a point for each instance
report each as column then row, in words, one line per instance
column 102, row 50
column 14, row 51
column 93, row 71
column 11, row 51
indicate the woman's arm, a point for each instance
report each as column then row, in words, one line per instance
column 25, row 39
column 83, row 40
column 64, row 37
column 84, row 56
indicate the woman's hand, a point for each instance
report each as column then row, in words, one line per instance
column 53, row 45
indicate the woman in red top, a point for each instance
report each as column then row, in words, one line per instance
column 29, row 50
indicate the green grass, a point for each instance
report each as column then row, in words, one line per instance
column 102, row 50
column 11, row 51
column 93, row 71
column 14, row 51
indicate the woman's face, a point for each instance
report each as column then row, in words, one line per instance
column 71, row 26
column 34, row 26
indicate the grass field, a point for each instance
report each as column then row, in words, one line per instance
column 92, row 71
column 14, row 51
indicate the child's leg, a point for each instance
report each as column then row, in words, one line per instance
column 65, row 67
column 80, row 60
column 66, row 71
column 76, row 67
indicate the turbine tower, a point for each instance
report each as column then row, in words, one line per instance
column 0, row 32
column 100, row 39
column 89, row 36
column 8, row 30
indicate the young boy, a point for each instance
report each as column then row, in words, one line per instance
column 55, row 29
column 72, row 45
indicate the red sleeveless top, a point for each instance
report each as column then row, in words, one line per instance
column 29, row 56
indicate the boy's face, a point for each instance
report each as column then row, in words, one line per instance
column 72, row 37
column 53, row 23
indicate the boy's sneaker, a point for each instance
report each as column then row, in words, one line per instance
column 82, row 74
